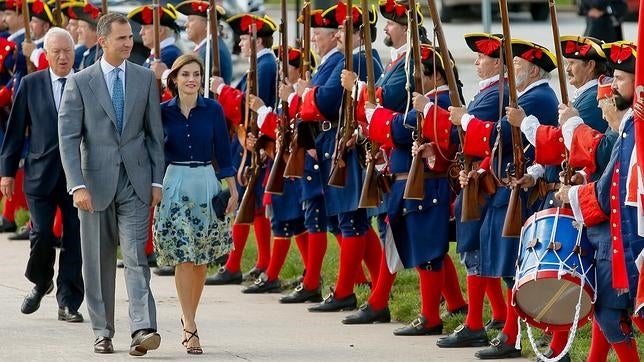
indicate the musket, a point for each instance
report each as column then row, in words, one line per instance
column 370, row 195
column 104, row 7
column 470, row 206
column 248, row 176
column 215, row 71
column 58, row 14
column 156, row 21
column 275, row 184
column 295, row 163
column 338, row 174
column 25, row 22
column 514, row 215
column 415, row 185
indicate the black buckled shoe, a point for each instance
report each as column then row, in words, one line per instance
column 23, row 234
column 451, row 313
column 494, row 324
column 301, row 295
column 417, row 328
column 7, row 226
column 263, row 285
column 103, row 345
column 333, row 304
column 144, row 340
column 252, row 274
column 164, row 271
column 498, row 349
column 367, row 315
column 224, row 277
column 463, row 336
column 32, row 300
column 550, row 354
column 68, row 315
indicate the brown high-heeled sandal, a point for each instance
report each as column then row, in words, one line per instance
column 192, row 350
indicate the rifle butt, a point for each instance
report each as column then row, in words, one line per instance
column 295, row 164
column 415, row 185
column 513, row 217
column 338, row 176
column 370, row 196
column 470, row 210
column 246, row 212
column 275, row 183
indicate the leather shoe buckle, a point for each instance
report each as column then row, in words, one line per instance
column 416, row 323
column 495, row 342
column 459, row 328
column 299, row 288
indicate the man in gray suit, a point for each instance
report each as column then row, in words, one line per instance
column 111, row 145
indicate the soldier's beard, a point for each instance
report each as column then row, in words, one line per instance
column 621, row 102
column 388, row 41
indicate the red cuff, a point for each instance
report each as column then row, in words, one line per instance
column 583, row 151
column 294, row 106
column 42, row 62
column 380, row 126
column 309, row 112
column 485, row 164
column 589, row 205
column 269, row 126
column 231, row 101
column 477, row 138
column 550, row 148
column 438, row 130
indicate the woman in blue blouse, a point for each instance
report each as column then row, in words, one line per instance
column 187, row 233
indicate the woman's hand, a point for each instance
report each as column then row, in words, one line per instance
column 234, row 196
column 255, row 103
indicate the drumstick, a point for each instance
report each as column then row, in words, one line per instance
column 551, row 302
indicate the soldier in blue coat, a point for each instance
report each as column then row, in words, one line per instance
column 168, row 29
column 611, row 217
column 485, row 105
column 343, row 201
column 532, row 64
column 233, row 101
column 87, row 17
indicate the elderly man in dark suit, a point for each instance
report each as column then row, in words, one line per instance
column 35, row 112
column 111, row 145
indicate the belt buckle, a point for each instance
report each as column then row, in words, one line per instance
column 326, row 125
column 193, row 165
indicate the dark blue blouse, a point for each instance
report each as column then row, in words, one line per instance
column 200, row 137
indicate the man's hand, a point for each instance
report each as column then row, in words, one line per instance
column 302, row 84
column 157, row 194
column 456, row 114
column 464, row 177
column 250, row 141
column 515, row 115
column 424, row 150
column 285, row 91
column 215, row 82
column 158, row 67
column 83, row 200
column 566, row 112
column 595, row 13
column 7, row 185
column 524, row 182
column 348, row 79
column 28, row 48
column 419, row 102
column 562, row 194
column 255, row 103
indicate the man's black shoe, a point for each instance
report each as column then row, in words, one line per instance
column 550, row 354
column 164, row 271
column 252, row 274
column 7, row 226
column 263, row 285
column 143, row 341
column 32, row 300
column 464, row 337
column 417, row 328
column 451, row 313
column 152, row 261
column 494, row 324
column 301, row 295
column 23, row 234
column 71, row 316
column 103, row 345
column 224, row 277
column 367, row 315
column 333, row 304
column 498, row 349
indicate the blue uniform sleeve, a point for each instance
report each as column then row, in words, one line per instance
column 221, row 143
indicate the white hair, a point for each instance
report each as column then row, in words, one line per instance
column 54, row 32
column 544, row 74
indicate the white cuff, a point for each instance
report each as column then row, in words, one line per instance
column 306, row 90
column 465, row 120
column 164, row 77
column 369, row 113
column 261, row 115
column 291, row 97
column 154, row 184
column 219, row 88
column 71, row 192
column 529, row 128
column 360, row 84
column 427, row 108
column 573, row 195
column 35, row 56
column 536, row 171
column 568, row 130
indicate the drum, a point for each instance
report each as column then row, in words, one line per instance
column 555, row 271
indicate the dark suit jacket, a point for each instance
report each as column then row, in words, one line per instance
column 34, row 112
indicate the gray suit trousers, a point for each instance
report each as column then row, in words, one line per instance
column 126, row 219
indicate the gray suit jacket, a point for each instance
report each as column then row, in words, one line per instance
column 91, row 148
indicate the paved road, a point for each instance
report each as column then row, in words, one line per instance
column 233, row 327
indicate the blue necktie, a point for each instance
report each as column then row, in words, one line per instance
column 118, row 99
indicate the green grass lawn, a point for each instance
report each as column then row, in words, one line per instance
column 405, row 299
